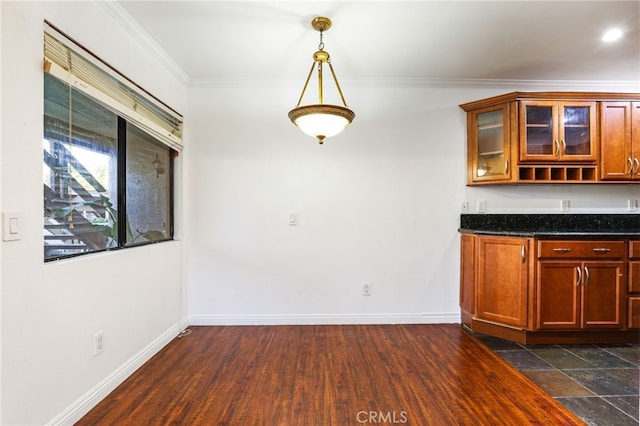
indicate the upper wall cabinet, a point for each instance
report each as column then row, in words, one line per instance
column 620, row 141
column 557, row 131
column 553, row 137
column 490, row 154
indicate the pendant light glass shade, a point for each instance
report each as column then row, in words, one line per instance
column 321, row 120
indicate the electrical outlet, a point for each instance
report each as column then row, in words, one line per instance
column 464, row 207
column 366, row 289
column 632, row 205
column 482, row 206
column 98, row 344
column 564, row 205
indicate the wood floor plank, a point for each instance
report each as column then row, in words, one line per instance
column 328, row 375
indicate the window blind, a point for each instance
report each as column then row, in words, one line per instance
column 68, row 61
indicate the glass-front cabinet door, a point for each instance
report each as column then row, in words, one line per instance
column 489, row 157
column 557, row 131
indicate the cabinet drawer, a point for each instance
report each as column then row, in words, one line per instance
column 634, row 249
column 582, row 249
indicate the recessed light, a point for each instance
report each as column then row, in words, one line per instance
column 612, row 35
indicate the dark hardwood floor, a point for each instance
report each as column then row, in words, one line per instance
column 328, row 375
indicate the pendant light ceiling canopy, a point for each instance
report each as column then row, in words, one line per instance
column 321, row 120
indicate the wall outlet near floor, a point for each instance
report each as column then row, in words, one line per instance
column 632, row 205
column 366, row 289
column 564, row 205
column 98, row 343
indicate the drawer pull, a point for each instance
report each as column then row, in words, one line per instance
column 601, row 250
column 562, row 249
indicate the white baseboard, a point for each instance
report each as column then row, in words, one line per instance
column 310, row 319
column 86, row 402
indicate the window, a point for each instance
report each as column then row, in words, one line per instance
column 107, row 174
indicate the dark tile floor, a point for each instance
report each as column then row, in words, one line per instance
column 599, row 383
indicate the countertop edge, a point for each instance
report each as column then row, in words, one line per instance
column 554, row 234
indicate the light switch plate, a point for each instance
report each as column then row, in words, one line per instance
column 11, row 226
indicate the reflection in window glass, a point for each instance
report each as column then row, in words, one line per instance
column 79, row 172
column 148, row 188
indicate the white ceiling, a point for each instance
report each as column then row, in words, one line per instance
column 449, row 40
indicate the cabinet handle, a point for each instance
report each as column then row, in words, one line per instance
column 601, row 250
column 586, row 273
column 557, row 148
column 635, row 160
column 506, row 166
column 564, row 146
column 562, row 249
column 579, row 275
column 522, row 253
column 630, row 171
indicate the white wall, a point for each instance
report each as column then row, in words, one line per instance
column 379, row 203
column 50, row 312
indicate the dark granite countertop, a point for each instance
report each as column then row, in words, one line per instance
column 552, row 225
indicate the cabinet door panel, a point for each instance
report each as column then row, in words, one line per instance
column 634, row 312
column 602, row 292
column 538, row 131
column 467, row 276
column 577, row 131
column 502, row 280
column 634, row 249
column 634, row 276
column 616, row 160
column 558, row 295
column 488, row 132
column 635, row 139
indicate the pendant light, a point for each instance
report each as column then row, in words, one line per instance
column 321, row 120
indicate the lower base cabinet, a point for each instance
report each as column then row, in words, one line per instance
column 633, row 304
column 503, row 279
column 533, row 290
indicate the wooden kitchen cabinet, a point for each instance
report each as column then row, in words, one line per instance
column 489, row 133
column 468, row 260
column 634, row 285
column 580, row 285
column 553, row 137
column 620, row 141
column 552, row 131
column 536, row 290
column 502, row 280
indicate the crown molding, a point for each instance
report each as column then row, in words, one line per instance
column 563, row 85
column 136, row 32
